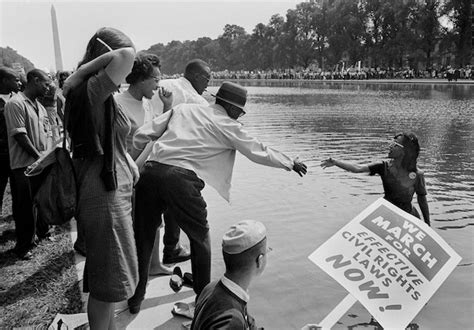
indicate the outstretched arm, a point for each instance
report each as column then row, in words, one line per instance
column 354, row 168
column 423, row 203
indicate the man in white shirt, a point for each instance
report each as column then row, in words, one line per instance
column 195, row 144
column 187, row 89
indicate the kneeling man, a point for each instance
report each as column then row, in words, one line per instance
column 223, row 304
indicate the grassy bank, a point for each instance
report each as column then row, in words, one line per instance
column 32, row 292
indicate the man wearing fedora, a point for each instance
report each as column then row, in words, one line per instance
column 223, row 303
column 195, row 144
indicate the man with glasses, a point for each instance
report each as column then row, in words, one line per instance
column 27, row 128
column 193, row 145
column 186, row 89
column 223, row 304
column 189, row 88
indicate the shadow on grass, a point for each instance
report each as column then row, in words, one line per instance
column 50, row 272
column 8, row 258
column 7, row 243
column 7, row 236
column 75, row 302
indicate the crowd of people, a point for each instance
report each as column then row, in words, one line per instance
column 352, row 73
column 142, row 157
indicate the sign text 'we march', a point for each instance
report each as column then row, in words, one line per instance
column 389, row 260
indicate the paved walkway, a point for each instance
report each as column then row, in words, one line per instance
column 156, row 309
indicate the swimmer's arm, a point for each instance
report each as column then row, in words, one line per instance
column 423, row 203
column 354, row 168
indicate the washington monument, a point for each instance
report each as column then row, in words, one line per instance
column 57, row 45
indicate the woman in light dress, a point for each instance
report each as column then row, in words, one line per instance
column 136, row 103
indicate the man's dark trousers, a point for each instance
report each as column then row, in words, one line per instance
column 164, row 187
column 5, row 174
column 170, row 234
column 26, row 226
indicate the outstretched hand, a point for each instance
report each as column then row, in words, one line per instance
column 299, row 168
column 328, row 163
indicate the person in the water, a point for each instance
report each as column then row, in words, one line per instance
column 400, row 176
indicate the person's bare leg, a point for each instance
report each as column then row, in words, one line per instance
column 100, row 314
column 156, row 267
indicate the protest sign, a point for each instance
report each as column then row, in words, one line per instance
column 389, row 260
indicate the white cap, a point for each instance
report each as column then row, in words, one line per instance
column 242, row 236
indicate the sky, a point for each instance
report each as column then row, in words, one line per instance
column 26, row 25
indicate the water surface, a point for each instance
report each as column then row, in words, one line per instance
column 353, row 122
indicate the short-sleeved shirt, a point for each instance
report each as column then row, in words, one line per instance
column 139, row 112
column 23, row 115
column 183, row 92
column 399, row 191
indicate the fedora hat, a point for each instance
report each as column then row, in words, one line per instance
column 232, row 93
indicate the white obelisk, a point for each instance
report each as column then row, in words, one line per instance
column 57, row 45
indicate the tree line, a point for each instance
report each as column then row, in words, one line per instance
column 330, row 34
column 9, row 57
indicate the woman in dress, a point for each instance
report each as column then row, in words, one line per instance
column 105, row 173
column 400, row 175
column 136, row 103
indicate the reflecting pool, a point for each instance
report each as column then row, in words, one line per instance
column 352, row 122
